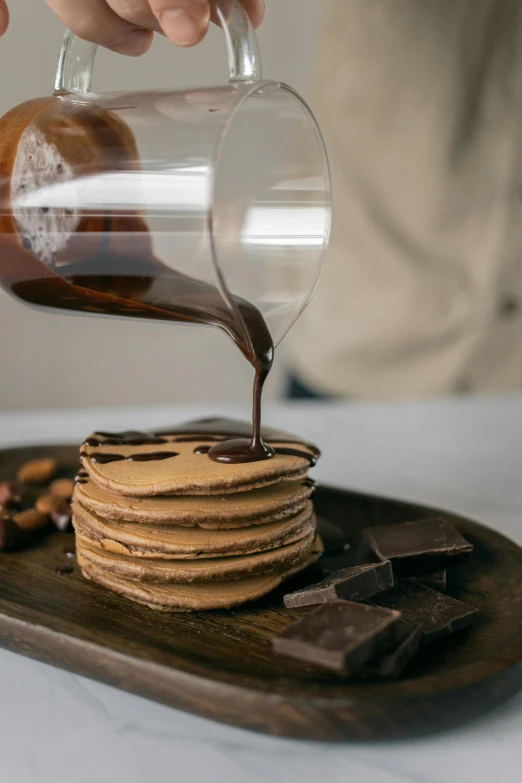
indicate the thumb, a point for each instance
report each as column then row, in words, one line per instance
column 4, row 17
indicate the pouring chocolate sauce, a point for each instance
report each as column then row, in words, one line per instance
column 119, row 285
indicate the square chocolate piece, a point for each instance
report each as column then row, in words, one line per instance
column 416, row 548
column 340, row 636
column 435, row 613
column 394, row 659
column 350, row 584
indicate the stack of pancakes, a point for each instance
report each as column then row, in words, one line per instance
column 162, row 524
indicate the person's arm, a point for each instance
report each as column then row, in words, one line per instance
column 127, row 26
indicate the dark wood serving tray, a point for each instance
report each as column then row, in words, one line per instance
column 220, row 664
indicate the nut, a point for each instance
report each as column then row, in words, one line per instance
column 31, row 520
column 11, row 494
column 61, row 516
column 38, row 471
column 10, row 534
column 47, row 503
column 62, row 488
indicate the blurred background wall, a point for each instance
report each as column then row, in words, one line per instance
column 50, row 361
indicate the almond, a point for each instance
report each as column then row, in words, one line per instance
column 47, row 503
column 62, row 488
column 31, row 520
column 38, row 471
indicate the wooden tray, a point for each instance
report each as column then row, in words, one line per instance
column 220, row 664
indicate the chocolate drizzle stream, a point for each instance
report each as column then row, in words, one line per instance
column 104, row 458
column 152, row 456
column 255, row 449
column 127, row 284
column 94, row 442
column 144, row 441
column 196, row 438
column 202, row 449
column 129, row 438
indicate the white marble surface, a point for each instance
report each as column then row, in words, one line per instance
column 464, row 455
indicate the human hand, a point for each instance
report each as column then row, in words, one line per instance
column 4, row 17
column 127, row 26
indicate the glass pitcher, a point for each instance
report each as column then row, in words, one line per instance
column 200, row 206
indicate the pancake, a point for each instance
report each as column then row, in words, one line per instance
column 186, row 473
column 169, row 541
column 137, row 464
column 240, row 509
column 161, row 523
column 193, row 596
column 200, row 570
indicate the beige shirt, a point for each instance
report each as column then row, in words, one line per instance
column 420, row 102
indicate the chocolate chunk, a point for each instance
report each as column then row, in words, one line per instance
column 418, row 547
column 334, row 539
column 11, row 495
column 438, row 580
column 341, row 636
column 10, row 534
column 437, row 614
column 351, row 584
column 394, row 659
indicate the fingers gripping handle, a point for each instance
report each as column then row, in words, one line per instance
column 77, row 56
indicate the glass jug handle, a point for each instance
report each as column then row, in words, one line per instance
column 244, row 59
